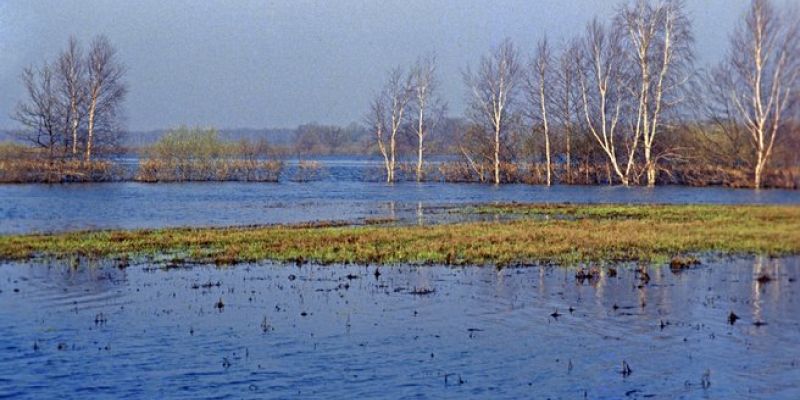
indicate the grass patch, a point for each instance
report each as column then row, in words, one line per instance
column 560, row 234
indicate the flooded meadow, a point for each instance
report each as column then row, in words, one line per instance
column 726, row 328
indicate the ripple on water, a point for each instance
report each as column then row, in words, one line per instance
column 338, row 331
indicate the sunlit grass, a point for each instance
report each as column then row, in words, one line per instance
column 559, row 234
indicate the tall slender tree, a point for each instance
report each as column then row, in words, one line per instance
column 760, row 75
column 105, row 87
column 426, row 106
column 72, row 88
column 658, row 41
column 388, row 114
column 602, row 86
column 539, row 88
column 494, row 87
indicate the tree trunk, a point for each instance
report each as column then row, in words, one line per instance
column 419, row 161
column 759, row 170
column 392, row 147
column 569, row 160
column 547, row 150
column 497, row 156
column 74, row 129
column 651, row 167
column 420, row 136
column 90, row 130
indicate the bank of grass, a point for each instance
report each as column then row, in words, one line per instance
column 553, row 234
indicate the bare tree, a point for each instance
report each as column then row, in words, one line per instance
column 602, row 83
column 659, row 42
column 760, row 75
column 72, row 88
column 567, row 112
column 105, row 88
column 41, row 113
column 387, row 116
column 538, row 85
column 426, row 107
column 494, row 89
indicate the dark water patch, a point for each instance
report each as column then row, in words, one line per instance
column 406, row 331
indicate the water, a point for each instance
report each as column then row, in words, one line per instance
column 341, row 332
column 410, row 332
column 343, row 191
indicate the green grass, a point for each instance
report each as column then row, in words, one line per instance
column 557, row 234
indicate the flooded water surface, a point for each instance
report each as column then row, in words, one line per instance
column 277, row 331
column 43, row 208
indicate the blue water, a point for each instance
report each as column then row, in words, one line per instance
column 341, row 332
column 342, row 191
column 98, row 331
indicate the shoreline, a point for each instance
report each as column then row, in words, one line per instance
column 568, row 235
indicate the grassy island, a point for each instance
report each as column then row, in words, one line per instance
column 553, row 234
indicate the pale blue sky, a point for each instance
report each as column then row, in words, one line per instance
column 282, row 63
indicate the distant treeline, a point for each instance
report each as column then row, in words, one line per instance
column 312, row 139
column 621, row 103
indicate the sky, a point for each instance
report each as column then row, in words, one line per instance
column 280, row 63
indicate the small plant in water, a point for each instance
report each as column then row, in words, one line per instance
column 626, row 369
column 732, row 317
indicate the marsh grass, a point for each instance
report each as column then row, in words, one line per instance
column 551, row 234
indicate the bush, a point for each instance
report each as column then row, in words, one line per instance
column 195, row 154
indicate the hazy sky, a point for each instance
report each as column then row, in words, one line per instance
column 280, row 63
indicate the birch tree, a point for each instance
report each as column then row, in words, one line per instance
column 387, row 115
column 539, row 92
column 72, row 88
column 105, row 87
column 494, row 88
column 602, row 82
column 658, row 40
column 426, row 107
column 760, row 75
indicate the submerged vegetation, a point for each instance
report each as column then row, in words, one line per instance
column 558, row 234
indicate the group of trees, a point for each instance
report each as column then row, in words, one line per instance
column 622, row 102
column 72, row 110
column 408, row 102
column 625, row 89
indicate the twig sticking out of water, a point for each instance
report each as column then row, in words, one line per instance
column 705, row 381
column 626, row 369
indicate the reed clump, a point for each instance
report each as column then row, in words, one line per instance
column 195, row 154
column 23, row 164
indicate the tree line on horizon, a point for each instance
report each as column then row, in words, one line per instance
column 627, row 92
column 621, row 103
